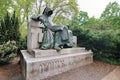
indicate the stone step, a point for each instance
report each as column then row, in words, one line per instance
column 52, row 52
column 44, row 67
column 114, row 75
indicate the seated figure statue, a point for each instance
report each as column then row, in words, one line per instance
column 55, row 36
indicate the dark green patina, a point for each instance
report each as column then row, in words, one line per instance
column 55, row 36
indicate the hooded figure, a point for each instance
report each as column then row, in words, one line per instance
column 55, row 36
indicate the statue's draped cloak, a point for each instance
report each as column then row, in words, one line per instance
column 54, row 35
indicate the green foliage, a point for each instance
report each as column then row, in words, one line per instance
column 105, row 44
column 112, row 9
column 4, row 6
column 82, row 20
column 9, row 29
column 9, row 36
column 23, row 10
column 7, row 51
column 111, row 15
column 102, row 35
column 22, row 44
column 23, row 31
column 63, row 9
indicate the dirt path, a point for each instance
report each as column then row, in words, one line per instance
column 9, row 70
column 94, row 71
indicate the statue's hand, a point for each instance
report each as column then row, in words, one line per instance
column 61, row 27
column 41, row 20
column 37, row 18
column 57, row 28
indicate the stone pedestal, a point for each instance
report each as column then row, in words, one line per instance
column 39, row 64
column 48, row 65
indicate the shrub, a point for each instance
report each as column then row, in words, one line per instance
column 9, row 28
column 104, row 43
column 7, row 51
column 22, row 44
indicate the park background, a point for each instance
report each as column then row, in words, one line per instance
column 99, row 34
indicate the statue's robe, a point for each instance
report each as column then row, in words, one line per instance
column 61, row 34
column 54, row 35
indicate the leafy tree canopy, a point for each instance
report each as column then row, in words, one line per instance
column 112, row 9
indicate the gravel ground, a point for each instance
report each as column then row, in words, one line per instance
column 95, row 71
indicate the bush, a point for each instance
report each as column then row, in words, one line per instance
column 9, row 29
column 104, row 43
column 22, row 44
column 7, row 51
column 101, row 35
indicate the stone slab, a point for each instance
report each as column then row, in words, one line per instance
column 52, row 52
column 45, row 67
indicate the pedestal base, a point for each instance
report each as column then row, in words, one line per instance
column 44, row 67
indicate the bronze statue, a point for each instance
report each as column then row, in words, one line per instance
column 55, row 36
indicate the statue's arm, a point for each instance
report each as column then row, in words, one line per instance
column 54, row 28
column 47, row 23
column 37, row 18
column 57, row 28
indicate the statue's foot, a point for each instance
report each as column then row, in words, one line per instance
column 69, row 45
column 43, row 48
column 61, row 47
column 57, row 48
